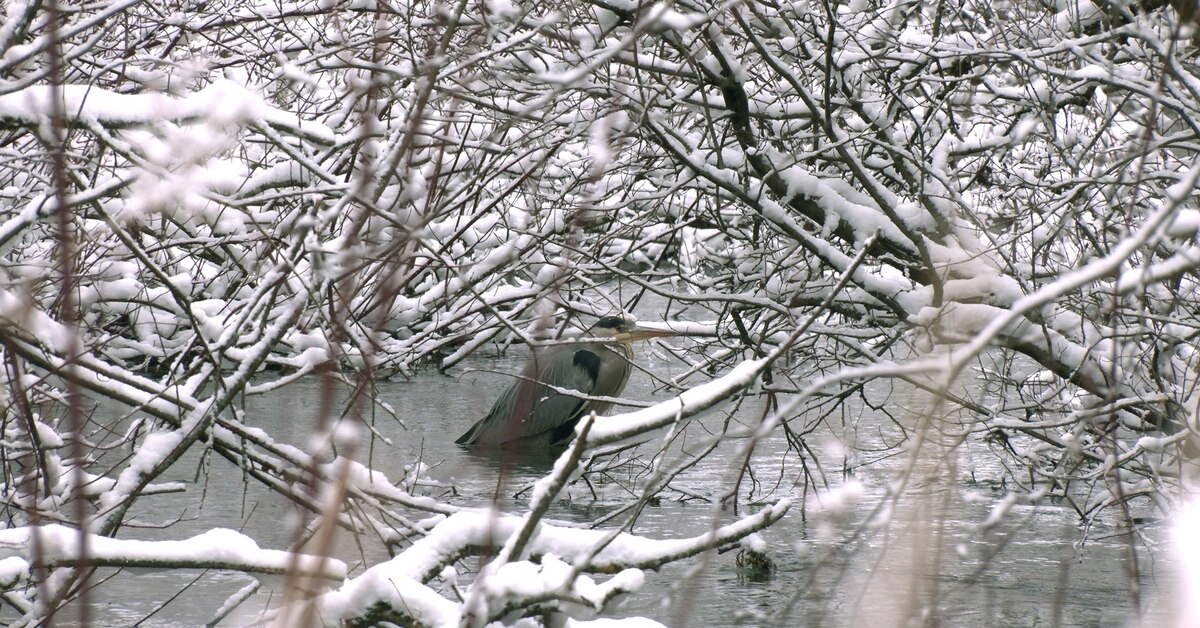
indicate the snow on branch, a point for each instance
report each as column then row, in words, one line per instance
column 516, row 586
column 215, row 549
column 636, row 425
column 632, row 426
column 396, row 588
column 465, row 530
column 1176, row 195
column 222, row 101
column 381, row 593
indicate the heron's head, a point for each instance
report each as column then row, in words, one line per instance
column 625, row 330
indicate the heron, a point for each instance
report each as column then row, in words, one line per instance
column 531, row 413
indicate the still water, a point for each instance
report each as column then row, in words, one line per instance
column 1038, row 567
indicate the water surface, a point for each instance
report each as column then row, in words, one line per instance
column 1038, row 567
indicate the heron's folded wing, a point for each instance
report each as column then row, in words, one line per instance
column 499, row 425
column 572, row 370
column 528, row 408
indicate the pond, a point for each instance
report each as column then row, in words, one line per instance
column 1037, row 566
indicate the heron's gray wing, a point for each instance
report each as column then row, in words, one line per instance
column 528, row 408
column 500, row 419
column 554, row 413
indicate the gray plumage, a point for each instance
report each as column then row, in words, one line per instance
column 529, row 413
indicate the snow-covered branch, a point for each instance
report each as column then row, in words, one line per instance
column 397, row 588
column 215, row 549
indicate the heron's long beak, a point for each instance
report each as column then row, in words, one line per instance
column 642, row 333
